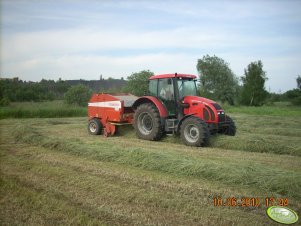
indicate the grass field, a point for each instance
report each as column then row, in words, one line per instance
column 53, row 172
column 47, row 109
column 57, row 109
column 276, row 109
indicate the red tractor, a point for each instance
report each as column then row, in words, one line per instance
column 172, row 106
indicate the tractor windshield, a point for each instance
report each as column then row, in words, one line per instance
column 186, row 87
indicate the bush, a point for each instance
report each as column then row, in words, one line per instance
column 296, row 101
column 78, row 95
column 138, row 83
column 4, row 101
column 294, row 96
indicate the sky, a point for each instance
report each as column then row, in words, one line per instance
column 77, row 39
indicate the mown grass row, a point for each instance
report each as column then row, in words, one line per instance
column 254, row 142
column 43, row 187
column 245, row 173
column 265, row 134
column 124, row 180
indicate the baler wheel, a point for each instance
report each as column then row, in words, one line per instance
column 147, row 122
column 194, row 132
column 95, row 127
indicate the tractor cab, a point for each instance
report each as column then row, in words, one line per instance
column 171, row 90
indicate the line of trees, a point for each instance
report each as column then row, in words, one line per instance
column 15, row 90
column 18, row 90
column 217, row 82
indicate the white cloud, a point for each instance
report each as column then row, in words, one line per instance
column 90, row 67
column 61, row 42
column 117, row 39
column 85, row 40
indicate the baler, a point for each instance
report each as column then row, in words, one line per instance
column 106, row 111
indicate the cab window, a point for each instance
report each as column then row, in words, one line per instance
column 153, row 87
column 186, row 87
column 165, row 89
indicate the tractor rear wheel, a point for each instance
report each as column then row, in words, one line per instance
column 194, row 132
column 230, row 129
column 95, row 127
column 147, row 122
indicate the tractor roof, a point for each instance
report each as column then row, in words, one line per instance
column 172, row 76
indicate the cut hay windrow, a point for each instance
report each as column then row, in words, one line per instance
column 257, row 175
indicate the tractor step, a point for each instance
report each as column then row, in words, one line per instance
column 171, row 125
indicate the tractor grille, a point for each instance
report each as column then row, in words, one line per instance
column 220, row 114
column 221, row 117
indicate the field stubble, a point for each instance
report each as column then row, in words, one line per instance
column 53, row 172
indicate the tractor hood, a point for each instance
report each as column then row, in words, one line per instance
column 196, row 99
column 204, row 108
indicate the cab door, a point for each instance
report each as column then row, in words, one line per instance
column 167, row 95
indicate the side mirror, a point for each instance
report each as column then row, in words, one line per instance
column 184, row 105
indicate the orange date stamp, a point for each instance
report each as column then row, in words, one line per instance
column 249, row 201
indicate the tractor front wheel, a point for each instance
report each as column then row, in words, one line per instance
column 194, row 132
column 230, row 129
column 147, row 122
column 95, row 127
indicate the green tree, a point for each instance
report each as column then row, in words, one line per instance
column 4, row 101
column 294, row 95
column 291, row 94
column 78, row 95
column 217, row 79
column 253, row 91
column 298, row 80
column 61, row 87
column 138, row 82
